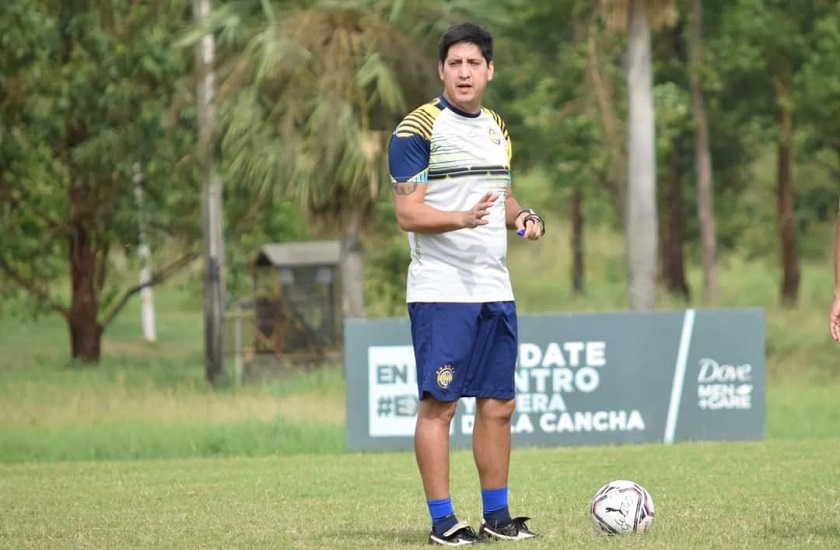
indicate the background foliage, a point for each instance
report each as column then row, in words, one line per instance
column 117, row 455
column 88, row 89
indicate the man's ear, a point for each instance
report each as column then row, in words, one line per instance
column 440, row 70
column 492, row 69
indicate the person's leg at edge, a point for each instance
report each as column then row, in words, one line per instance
column 431, row 449
column 491, row 441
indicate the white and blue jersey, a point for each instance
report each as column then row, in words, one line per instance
column 458, row 157
column 460, row 300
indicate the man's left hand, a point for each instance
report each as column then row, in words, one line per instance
column 530, row 225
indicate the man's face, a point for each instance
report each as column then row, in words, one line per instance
column 465, row 73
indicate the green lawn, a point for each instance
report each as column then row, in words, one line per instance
column 768, row 495
column 138, row 452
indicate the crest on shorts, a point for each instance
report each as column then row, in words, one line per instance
column 445, row 374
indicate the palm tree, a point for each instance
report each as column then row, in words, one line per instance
column 640, row 219
column 309, row 95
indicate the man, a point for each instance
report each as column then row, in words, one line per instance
column 834, row 318
column 450, row 170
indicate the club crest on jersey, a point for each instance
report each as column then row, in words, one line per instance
column 445, row 374
column 494, row 136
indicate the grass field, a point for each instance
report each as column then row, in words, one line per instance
column 138, row 452
column 770, row 495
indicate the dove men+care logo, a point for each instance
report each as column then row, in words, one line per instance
column 722, row 386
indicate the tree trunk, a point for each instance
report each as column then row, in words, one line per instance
column 703, row 158
column 641, row 222
column 673, row 266
column 577, row 241
column 85, row 331
column 211, row 201
column 147, row 304
column 81, row 317
column 602, row 90
column 787, row 223
column 352, row 269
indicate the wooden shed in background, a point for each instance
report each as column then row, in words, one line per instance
column 297, row 300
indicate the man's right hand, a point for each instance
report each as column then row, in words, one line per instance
column 477, row 215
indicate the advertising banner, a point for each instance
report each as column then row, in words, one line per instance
column 581, row 379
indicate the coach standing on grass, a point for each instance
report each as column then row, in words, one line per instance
column 834, row 319
column 450, row 170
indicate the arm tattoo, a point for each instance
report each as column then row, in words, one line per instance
column 405, row 188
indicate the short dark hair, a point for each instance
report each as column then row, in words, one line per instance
column 470, row 33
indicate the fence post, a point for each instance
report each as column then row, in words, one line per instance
column 238, row 371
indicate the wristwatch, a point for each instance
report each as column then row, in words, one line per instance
column 531, row 215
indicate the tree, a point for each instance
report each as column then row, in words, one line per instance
column 641, row 217
column 211, row 198
column 82, row 98
column 568, row 118
column 673, row 111
column 776, row 39
column 702, row 155
column 818, row 94
column 310, row 93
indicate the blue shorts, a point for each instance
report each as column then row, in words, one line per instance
column 464, row 349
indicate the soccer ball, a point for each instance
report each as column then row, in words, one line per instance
column 621, row 507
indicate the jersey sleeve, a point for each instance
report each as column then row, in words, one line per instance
column 408, row 153
column 408, row 157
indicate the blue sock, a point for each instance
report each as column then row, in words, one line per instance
column 443, row 516
column 495, row 504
